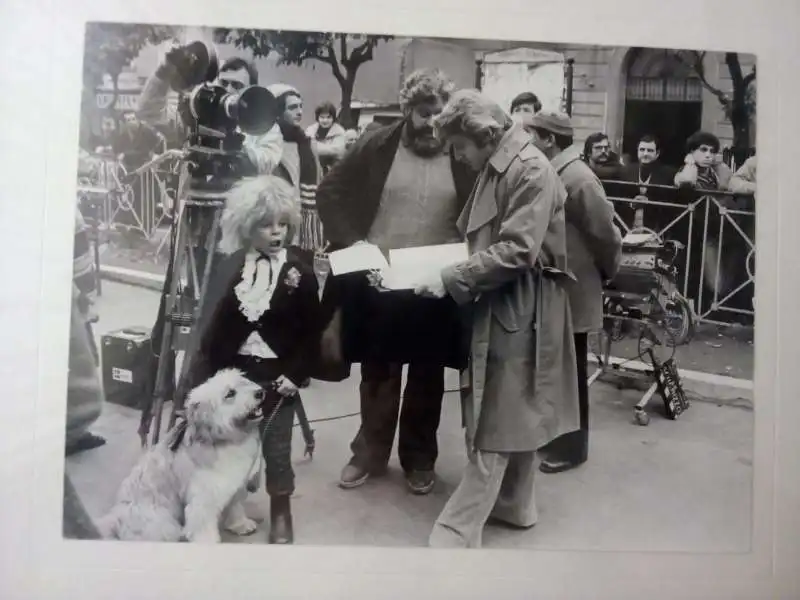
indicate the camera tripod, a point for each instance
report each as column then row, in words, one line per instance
column 195, row 230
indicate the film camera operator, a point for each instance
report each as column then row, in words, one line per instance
column 263, row 152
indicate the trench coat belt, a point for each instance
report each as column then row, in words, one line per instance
column 537, row 321
column 541, row 273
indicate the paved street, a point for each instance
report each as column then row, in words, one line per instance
column 672, row 486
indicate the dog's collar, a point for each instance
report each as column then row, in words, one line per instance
column 180, row 431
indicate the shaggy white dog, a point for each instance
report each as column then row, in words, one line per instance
column 197, row 477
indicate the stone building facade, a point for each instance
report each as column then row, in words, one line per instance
column 624, row 92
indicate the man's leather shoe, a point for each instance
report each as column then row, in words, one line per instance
column 420, row 482
column 354, row 475
column 558, row 466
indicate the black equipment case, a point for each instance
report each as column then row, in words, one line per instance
column 125, row 363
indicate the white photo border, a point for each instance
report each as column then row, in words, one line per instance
column 47, row 42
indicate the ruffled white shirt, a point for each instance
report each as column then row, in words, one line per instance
column 260, row 277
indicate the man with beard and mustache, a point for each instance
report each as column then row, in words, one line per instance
column 399, row 186
column 598, row 155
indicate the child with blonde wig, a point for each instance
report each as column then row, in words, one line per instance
column 262, row 316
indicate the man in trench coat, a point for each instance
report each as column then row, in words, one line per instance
column 594, row 252
column 519, row 391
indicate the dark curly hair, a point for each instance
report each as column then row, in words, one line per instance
column 702, row 138
column 425, row 85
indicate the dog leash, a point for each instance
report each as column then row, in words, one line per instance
column 266, row 425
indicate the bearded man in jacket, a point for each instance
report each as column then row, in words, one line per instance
column 398, row 187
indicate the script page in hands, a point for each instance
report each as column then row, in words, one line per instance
column 411, row 266
column 358, row 257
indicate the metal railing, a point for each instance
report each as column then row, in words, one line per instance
column 138, row 201
column 717, row 269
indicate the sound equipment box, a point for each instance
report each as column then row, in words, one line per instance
column 126, row 355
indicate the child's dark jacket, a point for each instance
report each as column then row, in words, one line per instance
column 291, row 327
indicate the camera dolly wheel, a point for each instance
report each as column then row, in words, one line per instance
column 642, row 418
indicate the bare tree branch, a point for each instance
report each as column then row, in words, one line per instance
column 734, row 67
column 363, row 53
column 360, row 50
column 331, row 58
column 697, row 66
column 750, row 77
column 738, row 105
column 343, row 48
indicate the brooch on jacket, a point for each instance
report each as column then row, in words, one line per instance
column 292, row 280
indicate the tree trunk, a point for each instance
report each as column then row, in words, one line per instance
column 740, row 121
column 741, row 140
column 738, row 113
column 345, row 113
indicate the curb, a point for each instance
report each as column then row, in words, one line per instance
column 702, row 387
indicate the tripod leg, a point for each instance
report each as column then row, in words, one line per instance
column 305, row 427
column 201, row 294
column 166, row 340
column 148, row 401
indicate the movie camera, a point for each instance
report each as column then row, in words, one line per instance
column 216, row 118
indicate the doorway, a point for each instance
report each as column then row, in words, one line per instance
column 663, row 97
column 670, row 122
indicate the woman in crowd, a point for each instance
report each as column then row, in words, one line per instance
column 329, row 136
column 520, row 389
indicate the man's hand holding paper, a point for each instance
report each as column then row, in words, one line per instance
column 361, row 256
column 420, row 268
column 431, row 289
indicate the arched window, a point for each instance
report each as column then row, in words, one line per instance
column 660, row 76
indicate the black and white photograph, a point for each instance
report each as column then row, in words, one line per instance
column 350, row 289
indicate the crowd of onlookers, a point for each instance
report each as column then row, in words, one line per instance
column 648, row 192
column 703, row 166
column 133, row 142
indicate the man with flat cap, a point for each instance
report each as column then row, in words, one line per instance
column 594, row 252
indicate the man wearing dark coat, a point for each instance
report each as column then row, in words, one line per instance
column 398, row 187
column 648, row 171
column 594, row 252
